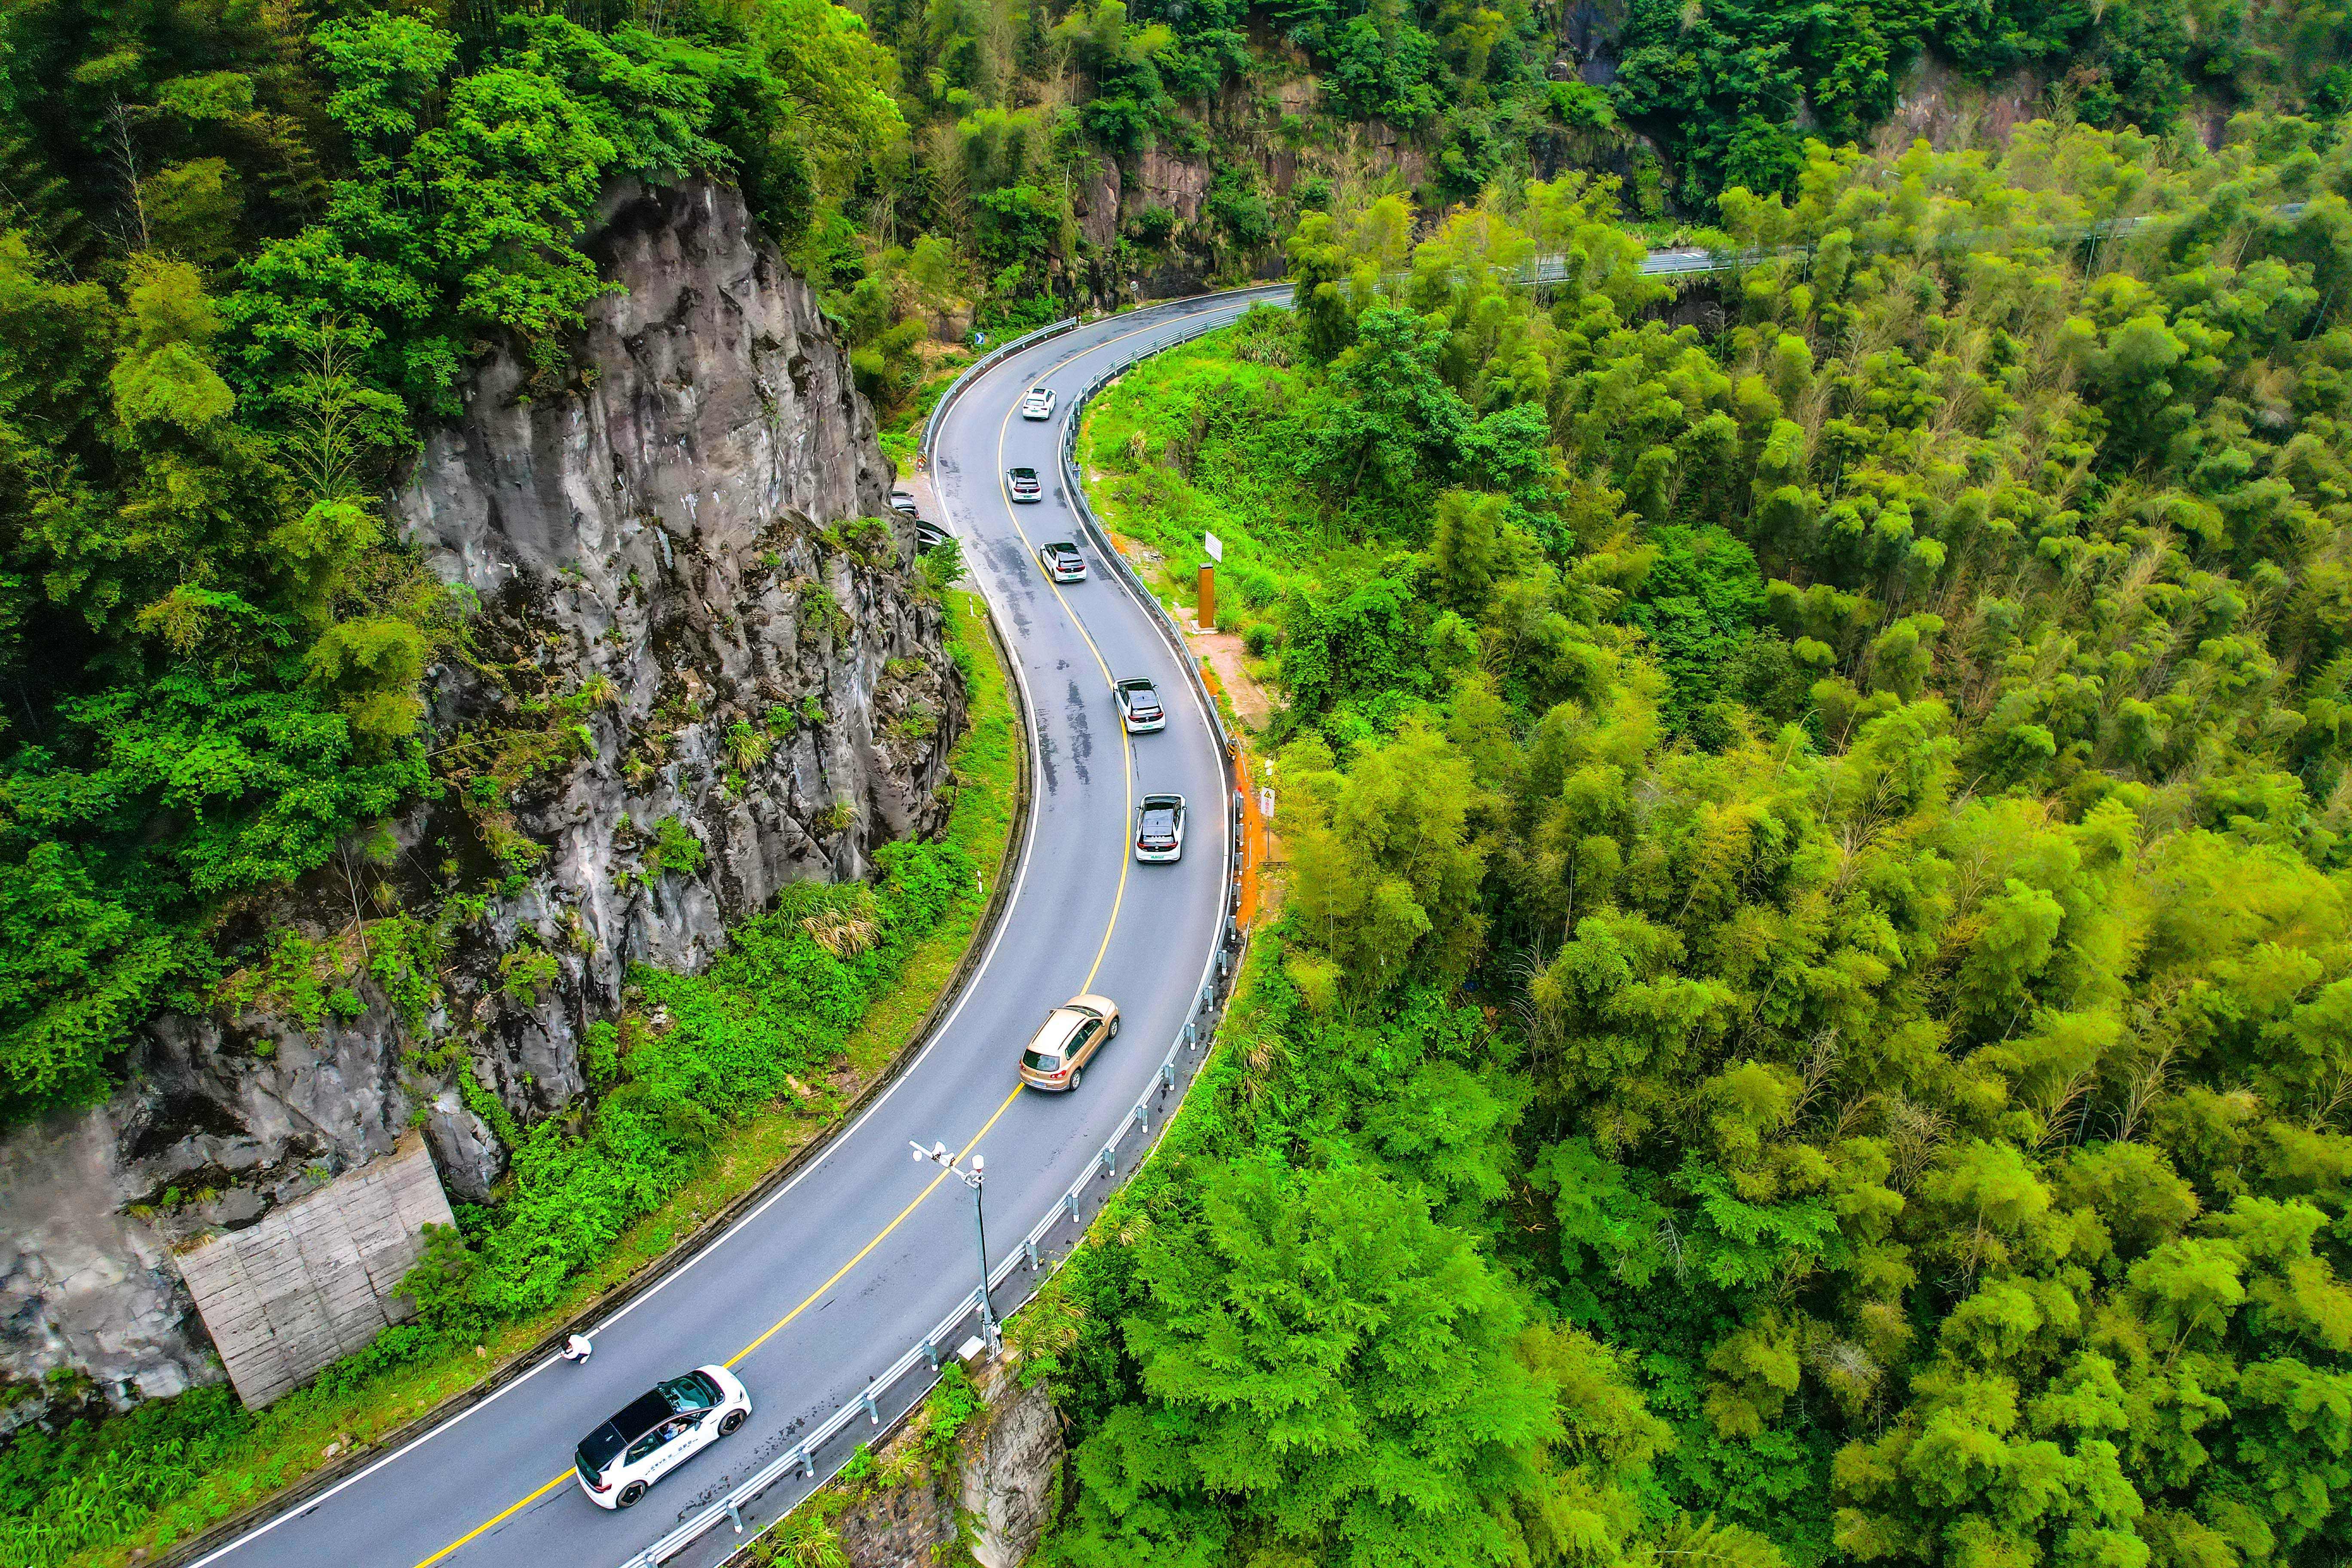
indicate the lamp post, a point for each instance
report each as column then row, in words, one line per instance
column 975, row 1178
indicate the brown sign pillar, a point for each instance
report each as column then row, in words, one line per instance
column 1208, row 616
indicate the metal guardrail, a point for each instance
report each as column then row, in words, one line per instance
column 1050, row 1241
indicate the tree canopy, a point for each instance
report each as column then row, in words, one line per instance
column 1817, row 860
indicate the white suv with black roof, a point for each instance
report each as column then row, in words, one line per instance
column 657, row 1432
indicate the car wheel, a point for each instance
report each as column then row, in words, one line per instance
column 1114, row 1028
column 1077, row 1075
column 629, row 1495
column 728, row 1421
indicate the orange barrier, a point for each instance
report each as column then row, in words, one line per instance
column 1255, row 830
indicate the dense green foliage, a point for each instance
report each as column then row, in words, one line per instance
column 1732, row 88
column 1017, row 109
column 1818, row 859
column 776, row 1005
column 244, row 255
column 245, row 252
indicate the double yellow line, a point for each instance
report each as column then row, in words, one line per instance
column 1127, row 753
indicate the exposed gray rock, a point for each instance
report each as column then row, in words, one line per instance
column 82, row 1286
column 996, row 1498
column 652, row 542
column 1008, row 1475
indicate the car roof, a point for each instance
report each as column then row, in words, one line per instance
column 643, row 1414
column 1056, row 1031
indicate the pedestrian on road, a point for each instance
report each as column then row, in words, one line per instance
column 576, row 1348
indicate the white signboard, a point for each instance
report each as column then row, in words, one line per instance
column 1216, row 550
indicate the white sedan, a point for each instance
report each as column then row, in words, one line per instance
column 1038, row 403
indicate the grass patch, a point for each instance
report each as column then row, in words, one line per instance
column 1207, row 438
column 97, row 1491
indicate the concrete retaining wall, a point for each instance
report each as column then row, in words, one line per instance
column 318, row 1278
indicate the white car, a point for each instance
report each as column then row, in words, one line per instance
column 1038, row 403
column 1160, row 829
column 657, row 1432
column 1062, row 562
column 1138, row 706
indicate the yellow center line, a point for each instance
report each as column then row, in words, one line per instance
column 501, row 1519
column 879, row 1238
column 1126, row 746
column 1126, row 741
column 778, row 1326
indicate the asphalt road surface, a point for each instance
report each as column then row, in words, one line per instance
column 865, row 1250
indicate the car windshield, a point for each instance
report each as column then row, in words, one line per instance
column 1021, row 474
column 692, row 1392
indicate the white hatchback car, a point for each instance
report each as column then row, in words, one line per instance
column 1038, row 403
column 658, row 1431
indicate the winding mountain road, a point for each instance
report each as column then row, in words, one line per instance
column 834, row 1276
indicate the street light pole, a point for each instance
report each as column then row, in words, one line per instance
column 976, row 1178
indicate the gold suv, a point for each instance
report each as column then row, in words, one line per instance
column 1072, row 1034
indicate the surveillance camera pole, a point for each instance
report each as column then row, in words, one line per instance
column 976, row 1179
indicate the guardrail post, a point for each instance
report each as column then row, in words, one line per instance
column 808, row 1460
column 872, row 1415
column 1031, row 1248
column 931, row 1356
column 1110, row 1160
column 1143, row 1115
column 1070, row 1198
column 735, row 1518
column 1168, row 1073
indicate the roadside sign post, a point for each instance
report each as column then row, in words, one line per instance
column 1208, row 615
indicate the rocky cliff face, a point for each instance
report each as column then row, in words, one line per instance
column 991, row 1504
column 693, row 677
